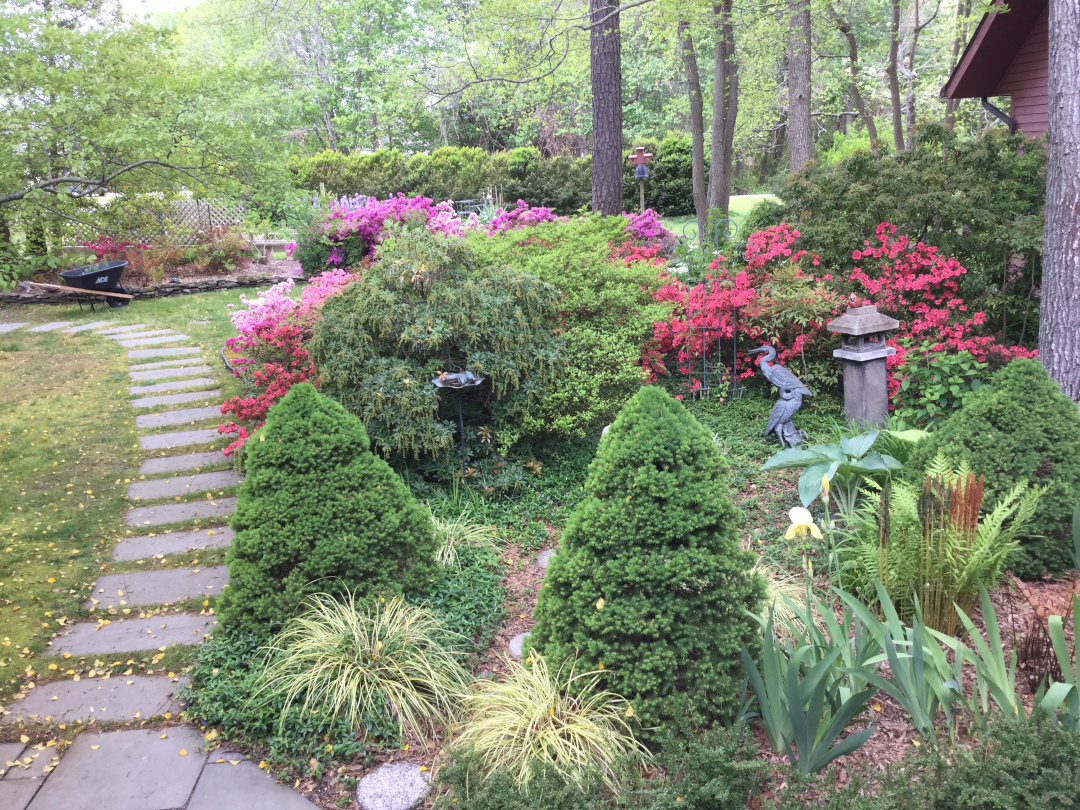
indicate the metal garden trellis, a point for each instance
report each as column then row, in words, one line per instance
column 725, row 231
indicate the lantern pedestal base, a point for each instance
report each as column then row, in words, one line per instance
column 866, row 390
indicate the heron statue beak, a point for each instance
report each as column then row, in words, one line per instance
column 761, row 350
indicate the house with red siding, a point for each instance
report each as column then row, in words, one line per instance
column 1008, row 55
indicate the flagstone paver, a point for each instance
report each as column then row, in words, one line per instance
column 175, row 399
column 8, row 753
column 132, row 635
column 152, row 341
column 397, row 786
column 183, row 361
column 182, row 485
column 163, row 351
column 516, row 642
column 49, row 327
column 145, row 769
column 147, row 546
column 33, row 763
column 177, row 371
column 117, row 699
column 178, row 417
column 87, row 327
column 148, row 333
column 131, row 327
column 163, row 441
column 224, row 786
column 216, row 508
column 157, row 587
column 172, row 385
column 17, row 795
column 11, row 327
column 189, row 461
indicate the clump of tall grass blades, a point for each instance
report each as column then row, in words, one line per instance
column 451, row 535
column 350, row 658
column 559, row 719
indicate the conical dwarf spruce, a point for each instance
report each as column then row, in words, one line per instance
column 318, row 511
column 650, row 581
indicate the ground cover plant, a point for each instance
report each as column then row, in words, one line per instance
column 635, row 586
column 318, row 511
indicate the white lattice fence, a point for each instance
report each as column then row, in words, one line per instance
column 186, row 215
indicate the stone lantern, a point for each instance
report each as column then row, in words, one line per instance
column 863, row 353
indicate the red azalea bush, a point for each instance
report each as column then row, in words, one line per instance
column 105, row 247
column 778, row 301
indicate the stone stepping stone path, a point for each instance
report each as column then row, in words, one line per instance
column 188, row 461
column 154, row 587
column 148, row 769
column 183, row 361
column 116, row 699
column 86, row 327
column 172, row 385
column 397, row 786
column 182, row 485
column 183, row 438
column 219, row 509
column 164, row 351
column 543, row 559
column 164, row 545
column 133, row 635
column 516, row 643
column 178, row 417
column 161, row 373
column 175, row 399
column 151, row 341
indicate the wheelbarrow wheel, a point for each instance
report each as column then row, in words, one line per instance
column 119, row 302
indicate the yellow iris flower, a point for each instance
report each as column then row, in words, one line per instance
column 801, row 523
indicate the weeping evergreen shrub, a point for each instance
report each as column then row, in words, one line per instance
column 650, row 583
column 319, row 512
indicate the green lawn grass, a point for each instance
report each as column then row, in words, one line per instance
column 68, row 448
column 738, row 209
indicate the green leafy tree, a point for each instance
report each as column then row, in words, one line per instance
column 319, row 512
column 651, row 582
column 1020, row 429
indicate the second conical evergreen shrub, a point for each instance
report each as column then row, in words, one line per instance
column 650, row 581
column 318, row 511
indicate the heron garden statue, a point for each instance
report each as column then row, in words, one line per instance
column 791, row 391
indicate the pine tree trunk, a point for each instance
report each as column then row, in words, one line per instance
column 892, row 73
column 800, row 132
column 605, row 65
column 1059, row 319
column 963, row 11
column 725, row 108
column 697, row 127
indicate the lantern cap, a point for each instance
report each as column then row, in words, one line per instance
column 865, row 320
column 641, row 171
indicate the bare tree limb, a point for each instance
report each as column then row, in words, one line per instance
column 86, row 186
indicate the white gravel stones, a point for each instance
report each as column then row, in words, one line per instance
column 397, row 786
column 516, row 642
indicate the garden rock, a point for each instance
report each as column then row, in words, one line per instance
column 543, row 559
column 516, row 643
column 397, row 786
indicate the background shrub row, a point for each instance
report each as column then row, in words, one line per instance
column 461, row 173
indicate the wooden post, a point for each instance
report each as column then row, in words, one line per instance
column 641, row 158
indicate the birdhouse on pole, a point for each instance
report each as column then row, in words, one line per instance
column 866, row 392
column 641, row 171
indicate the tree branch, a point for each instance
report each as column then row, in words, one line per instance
column 52, row 185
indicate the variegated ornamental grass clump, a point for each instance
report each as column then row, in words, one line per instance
column 544, row 716
column 360, row 657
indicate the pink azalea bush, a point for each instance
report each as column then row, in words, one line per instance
column 521, row 216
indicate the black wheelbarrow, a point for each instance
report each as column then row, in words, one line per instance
column 103, row 277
